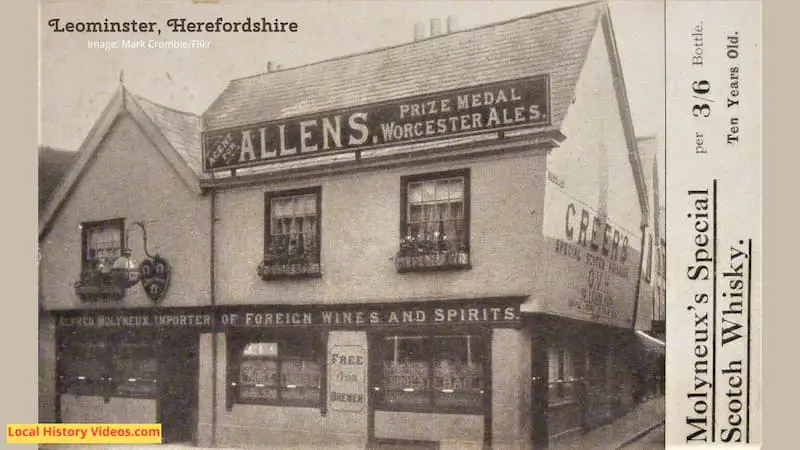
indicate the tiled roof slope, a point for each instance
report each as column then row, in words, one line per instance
column 181, row 129
column 53, row 164
column 554, row 42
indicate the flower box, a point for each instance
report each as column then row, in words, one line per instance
column 276, row 266
column 96, row 285
column 418, row 262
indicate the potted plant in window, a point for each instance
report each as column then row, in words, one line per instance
column 97, row 282
column 287, row 257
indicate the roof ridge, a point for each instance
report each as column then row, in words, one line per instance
column 161, row 105
column 428, row 39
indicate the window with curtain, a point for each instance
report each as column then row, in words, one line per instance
column 292, row 233
column 435, row 220
column 277, row 370
column 102, row 243
column 432, row 373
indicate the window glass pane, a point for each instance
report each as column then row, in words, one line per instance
column 435, row 214
column 432, row 372
column 261, row 349
column 282, row 207
column 301, row 380
column 259, row 372
column 300, row 346
column 406, row 372
column 428, row 192
column 257, row 392
column 258, row 380
column 283, row 370
column 294, row 226
column 442, row 190
column 456, row 191
column 83, row 367
column 135, row 370
column 457, row 371
column 103, row 245
column 307, row 205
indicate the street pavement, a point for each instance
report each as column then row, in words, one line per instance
column 651, row 441
column 631, row 431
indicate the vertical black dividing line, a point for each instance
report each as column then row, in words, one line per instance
column 714, row 314
column 749, row 316
column 666, row 127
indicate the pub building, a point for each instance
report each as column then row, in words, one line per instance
column 436, row 243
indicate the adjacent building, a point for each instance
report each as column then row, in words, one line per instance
column 437, row 243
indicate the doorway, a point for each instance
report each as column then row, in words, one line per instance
column 178, row 397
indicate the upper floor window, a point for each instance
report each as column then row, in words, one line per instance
column 434, row 223
column 102, row 243
column 292, row 238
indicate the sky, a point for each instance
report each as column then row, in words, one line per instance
column 76, row 82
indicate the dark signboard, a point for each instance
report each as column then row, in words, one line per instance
column 478, row 109
column 497, row 312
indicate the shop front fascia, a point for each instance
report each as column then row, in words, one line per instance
column 306, row 374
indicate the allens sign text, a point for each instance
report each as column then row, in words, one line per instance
column 489, row 107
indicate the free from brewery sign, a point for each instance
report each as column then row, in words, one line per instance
column 489, row 107
column 347, row 366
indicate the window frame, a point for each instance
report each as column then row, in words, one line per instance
column 87, row 227
column 564, row 389
column 405, row 181
column 239, row 340
column 109, row 383
column 379, row 340
column 273, row 195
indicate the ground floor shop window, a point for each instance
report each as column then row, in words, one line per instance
column 121, row 364
column 437, row 373
column 276, row 369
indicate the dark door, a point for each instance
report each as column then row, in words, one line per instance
column 178, row 362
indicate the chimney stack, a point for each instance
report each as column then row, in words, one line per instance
column 419, row 31
column 452, row 24
column 436, row 27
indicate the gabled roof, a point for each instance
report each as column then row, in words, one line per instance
column 182, row 130
column 53, row 164
column 174, row 133
column 553, row 42
column 625, row 114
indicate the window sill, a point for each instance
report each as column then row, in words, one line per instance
column 280, row 404
column 562, row 403
column 99, row 292
column 431, row 262
column 421, row 409
column 289, row 270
